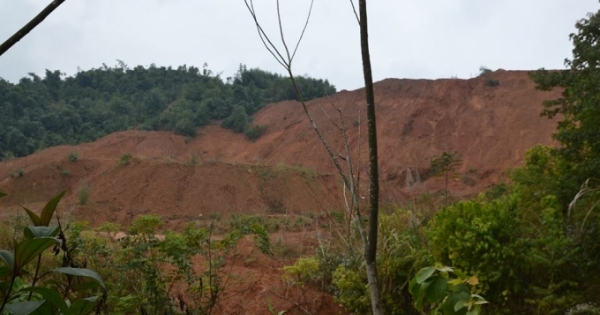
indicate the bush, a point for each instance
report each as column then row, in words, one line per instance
column 254, row 132
column 185, row 127
column 492, row 82
column 484, row 70
column 238, row 120
column 73, row 156
column 83, row 195
column 125, row 159
column 18, row 173
column 482, row 239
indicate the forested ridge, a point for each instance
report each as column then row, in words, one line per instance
column 38, row 112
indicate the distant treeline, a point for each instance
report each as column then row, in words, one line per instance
column 42, row 112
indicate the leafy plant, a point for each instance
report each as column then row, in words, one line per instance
column 447, row 290
column 67, row 289
column 481, row 238
column 253, row 132
column 83, row 195
column 445, row 165
column 125, row 159
column 73, row 156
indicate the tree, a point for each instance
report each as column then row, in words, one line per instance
column 238, row 120
column 445, row 164
column 285, row 58
column 579, row 107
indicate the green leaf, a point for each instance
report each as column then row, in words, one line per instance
column 414, row 288
column 8, row 258
column 49, row 209
column 4, row 271
column 23, row 308
column 28, row 249
column 51, row 296
column 450, row 302
column 474, row 311
column 40, row 231
column 83, row 307
column 460, row 304
column 81, row 272
column 445, row 269
column 34, row 217
column 424, row 274
column 436, row 290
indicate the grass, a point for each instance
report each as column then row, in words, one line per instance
column 83, row 195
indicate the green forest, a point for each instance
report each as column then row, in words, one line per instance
column 37, row 112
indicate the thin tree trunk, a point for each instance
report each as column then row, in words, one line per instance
column 29, row 26
column 371, row 250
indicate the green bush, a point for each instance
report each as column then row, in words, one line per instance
column 26, row 288
column 482, row 239
column 254, row 132
column 73, row 156
column 125, row 159
column 492, row 82
column 83, row 195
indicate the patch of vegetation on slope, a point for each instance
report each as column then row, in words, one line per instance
column 38, row 112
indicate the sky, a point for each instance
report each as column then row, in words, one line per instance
column 416, row 39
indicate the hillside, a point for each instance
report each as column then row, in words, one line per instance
column 287, row 170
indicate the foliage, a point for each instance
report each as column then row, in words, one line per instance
column 447, row 295
column 303, row 271
column 578, row 130
column 40, row 112
column 83, row 195
column 125, row 159
column 484, row 70
column 73, row 156
column 480, row 238
column 238, row 120
column 67, row 289
column 20, row 172
column 584, row 309
column 353, row 293
column 402, row 250
column 445, row 165
column 253, row 132
column 492, row 82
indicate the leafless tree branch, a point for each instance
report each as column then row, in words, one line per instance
column 29, row 26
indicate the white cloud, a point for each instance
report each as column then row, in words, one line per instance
column 414, row 39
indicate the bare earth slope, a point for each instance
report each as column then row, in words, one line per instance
column 287, row 171
column 490, row 127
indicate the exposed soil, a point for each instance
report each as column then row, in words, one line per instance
column 287, row 170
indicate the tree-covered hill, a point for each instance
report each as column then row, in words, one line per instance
column 41, row 112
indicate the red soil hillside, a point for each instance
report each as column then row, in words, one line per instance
column 490, row 127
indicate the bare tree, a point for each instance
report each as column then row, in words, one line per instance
column 29, row 26
column 285, row 57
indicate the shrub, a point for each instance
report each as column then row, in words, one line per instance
column 254, row 132
column 83, row 195
column 17, row 173
column 492, row 82
column 72, row 290
column 73, row 156
column 484, row 70
column 481, row 238
column 125, row 159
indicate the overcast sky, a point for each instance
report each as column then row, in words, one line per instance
column 409, row 38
